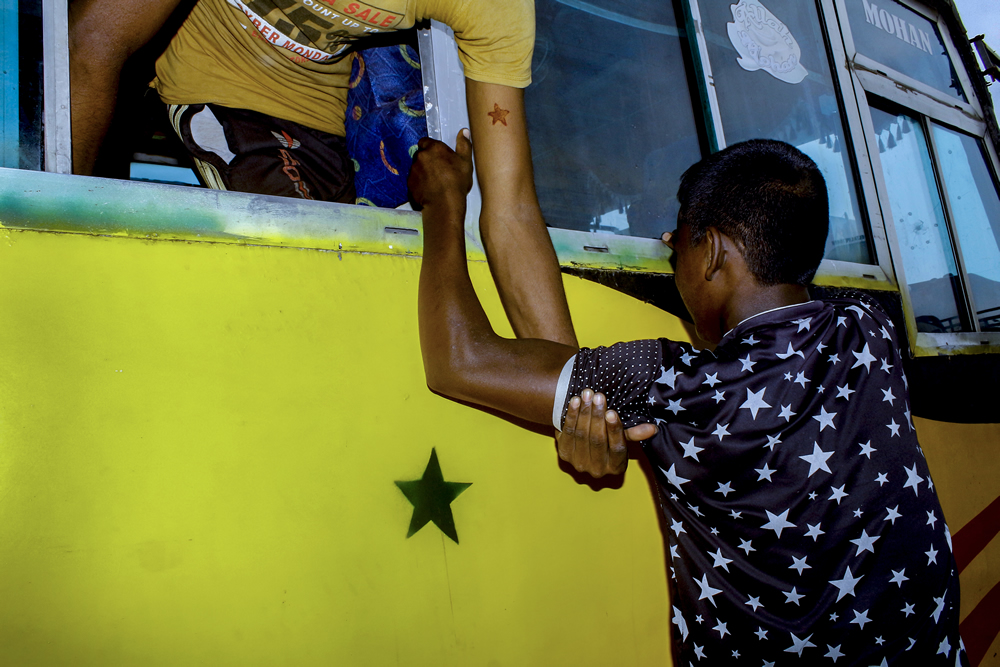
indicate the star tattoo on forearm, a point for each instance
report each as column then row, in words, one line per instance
column 498, row 114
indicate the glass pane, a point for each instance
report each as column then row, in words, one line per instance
column 972, row 195
column 773, row 81
column 21, row 84
column 928, row 259
column 610, row 115
column 904, row 40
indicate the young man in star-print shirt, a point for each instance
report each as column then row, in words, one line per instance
column 803, row 522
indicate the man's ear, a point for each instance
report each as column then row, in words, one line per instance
column 716, row 252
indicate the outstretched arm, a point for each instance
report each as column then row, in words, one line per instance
column 518, row 246
column 463, row 357
column 103, row 34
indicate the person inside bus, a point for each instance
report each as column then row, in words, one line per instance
column 257, row 90
column 803, row 522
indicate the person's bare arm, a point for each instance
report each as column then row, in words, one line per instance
column 463, row 357
column 518, row 246
column 102, row 36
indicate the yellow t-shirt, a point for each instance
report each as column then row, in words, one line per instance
column 286, row 58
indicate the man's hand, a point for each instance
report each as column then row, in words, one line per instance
column 592, row 439
column 439, row 175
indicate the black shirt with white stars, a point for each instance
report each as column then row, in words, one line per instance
column 803, row 521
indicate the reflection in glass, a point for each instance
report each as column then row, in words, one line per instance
column 975, row 208
column 904, row 40
column 773, row 80
column 928, row 258
column 21, row 85
column 610, row 115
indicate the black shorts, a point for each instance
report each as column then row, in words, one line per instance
column 247, row 151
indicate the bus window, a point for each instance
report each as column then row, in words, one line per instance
column 936, row 172
column 919, row 221
column 21, row 139
column 384, row 121
column 975, row 208
column 610, row 115
column 774, row 79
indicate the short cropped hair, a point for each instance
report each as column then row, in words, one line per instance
column 767, row 195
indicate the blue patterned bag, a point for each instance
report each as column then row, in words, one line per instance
column 385, row 119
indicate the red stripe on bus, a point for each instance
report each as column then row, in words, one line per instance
column 973, row 537
column 981, row 627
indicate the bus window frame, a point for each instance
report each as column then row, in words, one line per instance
column 703, row 74
column 56, row 200
column 55, row 86
column 878, row 239
column 444, row 89
column 877, row 74
column 447, row 114
column 872, row 79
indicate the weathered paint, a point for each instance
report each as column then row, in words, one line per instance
column 955, row 344
column 200, row 444
column 55, row 202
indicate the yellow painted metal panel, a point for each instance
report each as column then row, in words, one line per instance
column 964, row 460
column 198, row 450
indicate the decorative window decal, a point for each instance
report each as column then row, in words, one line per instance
column 764, row 42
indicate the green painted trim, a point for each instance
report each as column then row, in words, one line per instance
column 79, row 204
column 835, row 273
column 934, row 345
column 854, row 282
column 587, row 250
